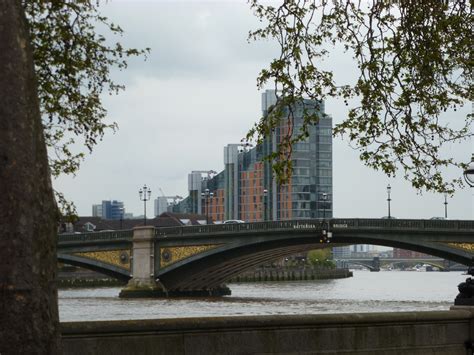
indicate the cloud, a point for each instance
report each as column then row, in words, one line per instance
column 189, row 39
column 197, row 93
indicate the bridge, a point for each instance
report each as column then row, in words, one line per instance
column 197, row 260
column 374, row 263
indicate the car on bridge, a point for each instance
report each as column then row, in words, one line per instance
column 233, row 221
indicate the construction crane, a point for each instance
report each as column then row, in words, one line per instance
column 208, row 172
column 175, row 198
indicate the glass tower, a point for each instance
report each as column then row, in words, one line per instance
column 247, row 188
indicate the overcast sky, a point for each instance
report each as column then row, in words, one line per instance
column 195, row 94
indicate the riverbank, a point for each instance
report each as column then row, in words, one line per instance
column 90, row 279
column 75, row 277
column 291, row 274
column 89, row 283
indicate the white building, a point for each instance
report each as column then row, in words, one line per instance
column 161, row 205
column 97, row 210
column 362, row 248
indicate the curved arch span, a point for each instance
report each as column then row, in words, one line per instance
column 427, row 262
column 94, row 265
column 370, row 267
column 210, row 269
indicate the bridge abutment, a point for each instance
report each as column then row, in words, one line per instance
column 142, row 283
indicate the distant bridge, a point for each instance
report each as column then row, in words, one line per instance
column 194, row 260
column 375, row 263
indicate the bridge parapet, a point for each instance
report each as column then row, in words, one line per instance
column 317, row 224
column 243, row 228
column 96, row 236
column 403, row 223
column 240, row 227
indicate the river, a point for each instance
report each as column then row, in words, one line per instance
column 389, row 291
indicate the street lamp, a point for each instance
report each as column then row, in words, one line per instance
column 121, row 217
column 265, row 194
column 145, row 194
column 245, row 145
column 324, row 197
column 389, row 189
column 469, row 173
column 445, row 206
column 326, row 234
column 206, row 195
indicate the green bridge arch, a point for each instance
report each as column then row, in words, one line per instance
column 204, row 257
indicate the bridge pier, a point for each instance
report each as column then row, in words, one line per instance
column 375, row 264
column 143, row 284
column 446, row 265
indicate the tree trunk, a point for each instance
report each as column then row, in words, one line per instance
column 28, row 296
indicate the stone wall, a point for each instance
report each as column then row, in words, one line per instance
column 413, row 333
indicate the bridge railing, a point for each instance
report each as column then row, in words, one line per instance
column 335, row 223
column 240, row 227
column 404, row 223
column 314, row 224
column 96, row 236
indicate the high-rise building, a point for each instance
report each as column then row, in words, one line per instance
column 161, row 205
column 231, row 181
column 97, row 210
column 247, row 190
column 112, row 209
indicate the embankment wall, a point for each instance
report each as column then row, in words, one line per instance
column 414, row 333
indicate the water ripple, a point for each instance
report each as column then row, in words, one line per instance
column 365, row 292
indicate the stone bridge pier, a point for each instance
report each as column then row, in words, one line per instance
column 142, row 283
column 145, row 266
column 375, row 264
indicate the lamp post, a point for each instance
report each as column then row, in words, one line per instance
column 265, row 194
column 211, row 195
column 465, row 296
column 121, row 218
column 206, row 195
column 445, row 203
column 389, row 189
column 245, row 145
column 469, row 173
column 324, row 198
column 326, row 234
column 145, row 194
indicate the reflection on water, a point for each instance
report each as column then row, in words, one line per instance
column 365, row 292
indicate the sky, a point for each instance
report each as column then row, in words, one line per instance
column 196, row 93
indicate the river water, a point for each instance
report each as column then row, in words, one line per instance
column 390, row 291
